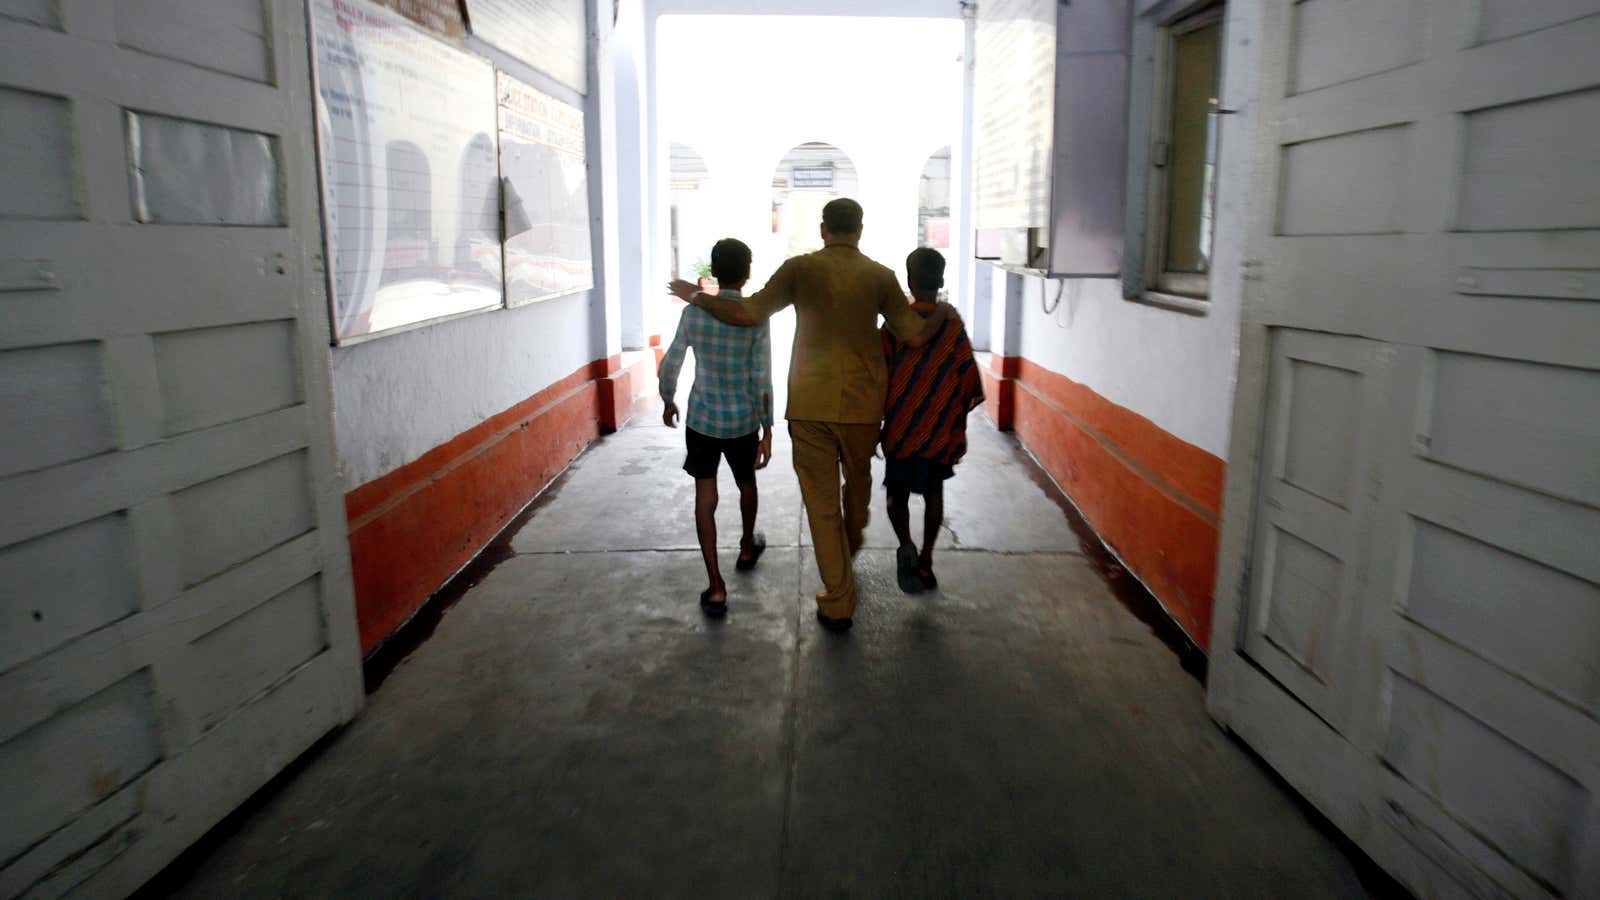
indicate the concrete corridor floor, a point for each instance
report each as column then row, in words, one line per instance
column 574, row 727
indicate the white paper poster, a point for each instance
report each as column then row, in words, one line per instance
column 550, row 35
column 548, row 251
column 406, row 126
column 1014, row 82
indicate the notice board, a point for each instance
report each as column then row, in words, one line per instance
column 548, row 247
column 407, row 139
column 1014, row 80
column 438, row 16
column 550, row 35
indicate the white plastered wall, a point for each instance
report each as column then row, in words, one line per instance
column 1173, row 368
column 628, row 52
column 397, row 397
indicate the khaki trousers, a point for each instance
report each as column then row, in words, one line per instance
column 821, row 451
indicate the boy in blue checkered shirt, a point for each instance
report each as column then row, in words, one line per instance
column 730, row 414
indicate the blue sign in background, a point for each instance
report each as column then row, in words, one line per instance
column 813, row 176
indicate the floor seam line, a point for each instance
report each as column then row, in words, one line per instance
column 694, row 550
column 791, row 729
column 946, row 550
column 791, row 718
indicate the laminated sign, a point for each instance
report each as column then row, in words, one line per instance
column 550, row 35
column 548, row 250
column 410, row 181
column 813, row 177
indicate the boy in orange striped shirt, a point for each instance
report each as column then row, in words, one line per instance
column 931, row 390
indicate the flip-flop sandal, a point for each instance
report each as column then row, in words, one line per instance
column 906, row 570
column 757, row 548
column 714, row 610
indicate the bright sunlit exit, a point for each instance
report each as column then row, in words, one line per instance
column 763, row 119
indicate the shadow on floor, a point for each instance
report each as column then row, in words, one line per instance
column 562, row 721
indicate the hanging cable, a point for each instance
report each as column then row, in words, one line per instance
column 1050, row 308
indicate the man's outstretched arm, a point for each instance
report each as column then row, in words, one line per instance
column 752, row 310
column 734, row 312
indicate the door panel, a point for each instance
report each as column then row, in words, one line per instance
column 1323, row 396
column 1417, row 558
column 176, row 622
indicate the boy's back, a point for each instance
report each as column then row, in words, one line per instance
column 931, row 390
column 732, row 392
column 730, row 415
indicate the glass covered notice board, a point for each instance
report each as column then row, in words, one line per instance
column 546, row 195
column 410, row 178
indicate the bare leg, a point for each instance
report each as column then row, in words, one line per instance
column 705, row 526
column 748, row 502
column 900, row 516
column 932, row 519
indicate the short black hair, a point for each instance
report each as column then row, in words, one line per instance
column 842, row 216
column 925, row 269
column 730, row 260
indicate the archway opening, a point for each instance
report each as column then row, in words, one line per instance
column 807, row 177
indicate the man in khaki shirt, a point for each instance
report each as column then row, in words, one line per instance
column 837, row 383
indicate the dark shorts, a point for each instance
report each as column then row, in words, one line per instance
column 706, row 452
column 915, row 476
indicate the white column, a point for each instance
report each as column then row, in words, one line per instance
column 605, row 321
column 964, row 289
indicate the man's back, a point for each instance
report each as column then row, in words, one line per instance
column 838, row 373
column 837, row 384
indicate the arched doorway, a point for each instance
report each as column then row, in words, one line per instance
column 689, row 213
column 805, row 180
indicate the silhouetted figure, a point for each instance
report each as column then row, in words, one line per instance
column 837, row 383
column 729, row 406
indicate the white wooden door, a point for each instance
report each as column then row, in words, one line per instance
column 176, row 621
column 1408, row 601
column 1313, row 519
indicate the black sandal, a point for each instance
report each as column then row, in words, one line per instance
column 905, row 570
column 758, row 546
column 715, row 610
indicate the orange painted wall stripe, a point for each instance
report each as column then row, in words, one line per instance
column 998, row 394
column 413, row 528
column 360, row 502
column 1191, row 471
column 1154, row 499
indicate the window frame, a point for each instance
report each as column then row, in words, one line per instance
column 1150, row 114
